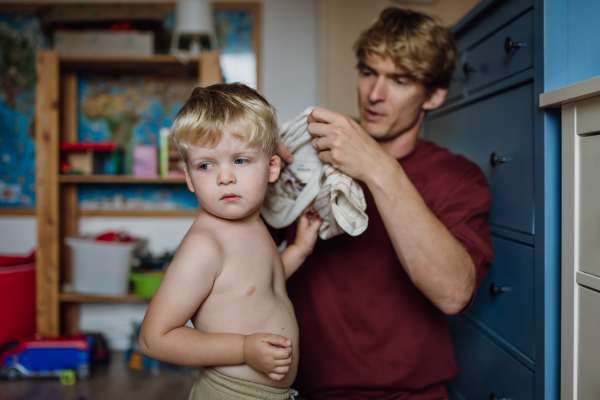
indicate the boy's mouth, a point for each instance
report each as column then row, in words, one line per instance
column 230, row 197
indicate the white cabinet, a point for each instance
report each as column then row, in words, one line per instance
column 580, row 298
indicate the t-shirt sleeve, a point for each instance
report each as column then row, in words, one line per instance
column 465, row 212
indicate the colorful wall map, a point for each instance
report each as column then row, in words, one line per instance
column 20, row 39
column 127, row 109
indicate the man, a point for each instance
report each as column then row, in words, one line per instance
column 372, row 309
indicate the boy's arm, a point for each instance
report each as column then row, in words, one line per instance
column 187, row 283
column 306, row 237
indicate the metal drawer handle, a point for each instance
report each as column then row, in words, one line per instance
column 469, row 69
column 495, row 159
column 497, row 290
column 494, row 397
column 509, row 45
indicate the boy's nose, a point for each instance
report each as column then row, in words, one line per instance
column 225, row 177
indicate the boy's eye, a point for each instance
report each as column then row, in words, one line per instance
column 204, row 166
column 240, row 161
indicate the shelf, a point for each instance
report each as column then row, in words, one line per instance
column 137, row 63
column 138, row 213
column 98, row 298
column 17, row 211
column 116, row 179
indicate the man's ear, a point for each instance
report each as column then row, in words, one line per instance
column 274, row 168
column 188, row 180
column 435, row 99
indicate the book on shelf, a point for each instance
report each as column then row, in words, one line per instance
column 170, row 162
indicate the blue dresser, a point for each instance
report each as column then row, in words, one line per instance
column 507, row 344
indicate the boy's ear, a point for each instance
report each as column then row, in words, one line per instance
column 435, row 99
column 188, row 180
column 274, row 168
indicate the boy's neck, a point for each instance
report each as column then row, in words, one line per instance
column 249, row 219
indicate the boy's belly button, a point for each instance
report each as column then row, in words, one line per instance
column 251, row 290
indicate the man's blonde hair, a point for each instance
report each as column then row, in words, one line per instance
column 225, row 107
column 417, row 43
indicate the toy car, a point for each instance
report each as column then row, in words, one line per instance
column 47, row 357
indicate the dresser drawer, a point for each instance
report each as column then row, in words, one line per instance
column 495, row 58
column 589, row 187
column 456, row 86
column 504, row 301
column 479, row 377
column 501, row 126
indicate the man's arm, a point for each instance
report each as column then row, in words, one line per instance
column 436, row 262
column 187, row 283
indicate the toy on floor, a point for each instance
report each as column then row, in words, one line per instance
column 47, row 357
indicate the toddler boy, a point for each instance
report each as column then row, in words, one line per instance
column 227, row 275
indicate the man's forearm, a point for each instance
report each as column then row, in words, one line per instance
column 191, row 347
column 436, row 262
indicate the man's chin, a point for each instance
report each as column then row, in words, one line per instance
column 375, row 130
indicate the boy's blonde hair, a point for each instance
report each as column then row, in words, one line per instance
column 416, row 42
column 225, row 107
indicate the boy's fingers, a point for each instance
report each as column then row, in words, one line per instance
column 276, row 377
column 283, row 361
column 282, row 353
column 285, row 154
column 315, row 224
column 282, row 369
column 278, row 340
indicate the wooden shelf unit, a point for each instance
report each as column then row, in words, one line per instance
column 17, row 211
column 95, row 298
column 138, row 213
column 116, row 179
column 57, row 208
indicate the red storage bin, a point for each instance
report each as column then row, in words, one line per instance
column 17, row 297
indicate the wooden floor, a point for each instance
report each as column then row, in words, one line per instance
column 117, row 382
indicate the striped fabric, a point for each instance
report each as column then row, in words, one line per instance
column 309, row 184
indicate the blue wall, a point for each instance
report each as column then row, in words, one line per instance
column 572, row 42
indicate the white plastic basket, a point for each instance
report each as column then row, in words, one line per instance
column 101, row 267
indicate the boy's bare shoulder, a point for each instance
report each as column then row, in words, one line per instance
column 199, row 248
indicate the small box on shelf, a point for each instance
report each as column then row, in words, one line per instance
column 145, row 161
column 87, row 158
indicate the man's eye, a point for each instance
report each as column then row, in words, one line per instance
column 240, row 161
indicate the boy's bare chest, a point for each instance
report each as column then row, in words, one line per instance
column 250, row 265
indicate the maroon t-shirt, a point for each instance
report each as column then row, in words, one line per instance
column 366, row 332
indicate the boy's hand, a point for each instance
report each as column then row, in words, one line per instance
column 307, row 231
column 268, row 353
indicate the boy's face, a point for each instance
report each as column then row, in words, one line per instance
column 230, row 180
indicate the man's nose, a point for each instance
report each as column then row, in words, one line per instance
column 378, row 90
column 225, row 177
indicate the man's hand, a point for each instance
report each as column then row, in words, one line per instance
column 345, row 145
column 269, row 354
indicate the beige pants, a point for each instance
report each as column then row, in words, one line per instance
column 212, row 385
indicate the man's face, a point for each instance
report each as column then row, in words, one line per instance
column 390, row 102
column 230, row 180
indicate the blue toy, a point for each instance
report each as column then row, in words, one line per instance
column 47, row 357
